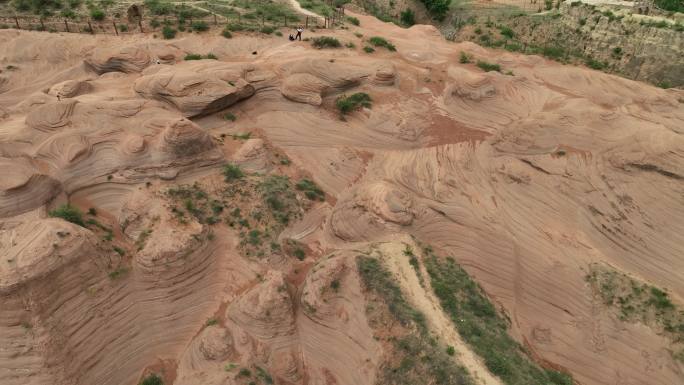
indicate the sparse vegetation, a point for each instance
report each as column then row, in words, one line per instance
column 69, row 213
column 310, row 189
column 464, row 58
column 168, row 32
column 407, row 17
column 196, row 56
column 488, row 67
column 276, row 191
column 152, row 379
column 325, row 42
column 117, row 273
column 382, row 42
column 199, row 26
column 347, row 104
column 638, row 302
column 232, row 172
column 226, row 33
column 353, row 20
column 483, row 328
column 417, row 357
column 229, row 116
column 368, row 49
column 211, row 322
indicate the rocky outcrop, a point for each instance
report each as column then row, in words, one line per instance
column 23, row 187
column 194, row 89
column 126, row 59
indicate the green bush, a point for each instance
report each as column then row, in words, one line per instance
column 464, row 58
column 199, row 26
column 368, row 49
column 488, row 67
column 310, row 189
column 232, row 172
column 97, row 14
column 226, row 33
column 267, row 29
column 69, row 213
column 438, row 8
column 168, row 32
column 229, row 116
column 234, row 27
column 407, row 17
column 276, row 192
column 154, row 23
column 381, row 42
column 152, row 379
column 553, row 52
column 507, row 32
column 353, row 20
column 595, row 64
column 123, row 27
column 347, row 104
column 193, row 56
column 670, row 5
column 211, row 56
column 325, row 42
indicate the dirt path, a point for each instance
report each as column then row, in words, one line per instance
column 297, row 7
column 425, row 301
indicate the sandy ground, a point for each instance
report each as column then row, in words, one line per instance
column 525, row 176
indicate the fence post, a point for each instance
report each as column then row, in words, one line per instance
column 307, row 22
column 92, row 31
column 42, row 26
column 215, row 22
column 16, row 21
column 140, row 24
column 66, row 25
column 115, row 29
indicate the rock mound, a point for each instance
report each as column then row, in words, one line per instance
column 193, row 90
column 127, row 59
column 51, row 116
column 23, row 187
column 266, row 310
column 384, row 75
column 69, row 88
column 308, row 80
column 182, row 138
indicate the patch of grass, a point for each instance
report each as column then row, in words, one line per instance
column 119, row 250
column 244, row 136
column 264, row 376
column 488, row 67
column 299, row 253
column 464, row 58
column 407, row 17
column 417, row 358
column 211, row 322
column 310, row 189
column 244, row 372
column 97, row 14
column 267, row 29
column 368, row 49
column 226, row 33
column 117, row 273
column 353, row 20
column 235, row 27
column 229, row 116
column 168, row 32
column 350, row 45
column 152, row 379
column 347, row 104
column 232, row 172
column 382, row 42
column 594, row 64
column 276, row 192
column 69, row 213
column 507, row 32
column 450, row 350
column 199, row 26
column 483, row 328
column 325, row 42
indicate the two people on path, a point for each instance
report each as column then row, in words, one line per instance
column 299, row 34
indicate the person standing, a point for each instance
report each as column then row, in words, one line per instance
column 299, row 33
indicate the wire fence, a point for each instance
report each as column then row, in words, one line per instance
column 146, row 24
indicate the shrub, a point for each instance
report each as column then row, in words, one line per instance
column 267, row 29
column 168, row 32
column 594, row 64
column 154, row 23
column 299, row 253
column 310, row 189
column 664, row 84
column 464, row 58
column 211, row 56
column 226, row 33
column 123, row 27
column 229, row 116
column 488, row 67
column 350, row 45
column 199, row 26
column 353, row 20
column 381, row 42
column 193, row 56
column 368, row 49
column 575, row 3
column 152, row 379
column 232, row 172
column 69, row 213
column 450, row 350
column 507, row 32
column 97, row 14
column 326, row 42
column 437, row 8
column 278, row 33
column 348, row 104
column 407, row 17
column 235, row 27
